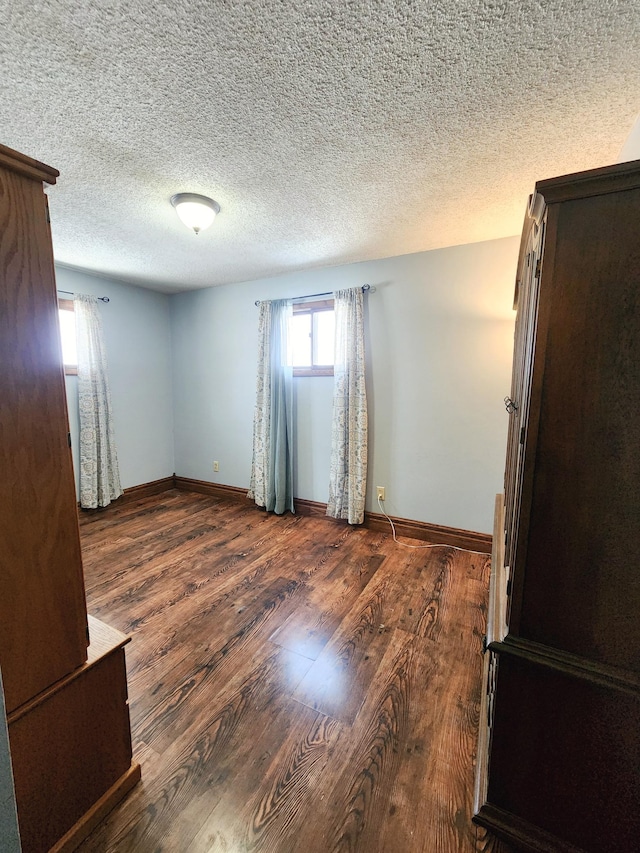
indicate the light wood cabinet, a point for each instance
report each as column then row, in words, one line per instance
column 560, row 727
column 43, row 629
column 67, row 708
column 71, row 749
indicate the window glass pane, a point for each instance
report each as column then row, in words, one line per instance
column 68, row 336
column 300, row 335
column 323, row 337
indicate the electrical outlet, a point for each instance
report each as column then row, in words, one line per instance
column 380, row 493
column 216, row 467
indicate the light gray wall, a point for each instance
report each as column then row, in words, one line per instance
column 631, row 148
column 9, row 836
column 137, row 333
column 439, row 338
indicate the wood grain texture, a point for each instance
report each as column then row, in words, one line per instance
column 69, row 746
column 525, row 837
column 487, row 842
column 585, row 496
column 295, row 684
column 435, row 533
column 564, row 746
column 21, row 164
column 98, row 811
column 43, row 620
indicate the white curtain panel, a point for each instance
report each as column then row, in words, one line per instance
column 262, row 412
column 348, row 466
column 271, row 484
column 99, row 474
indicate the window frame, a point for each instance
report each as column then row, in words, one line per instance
column 315, row 307
column 68, row 305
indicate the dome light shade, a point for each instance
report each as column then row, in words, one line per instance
column 196, row 211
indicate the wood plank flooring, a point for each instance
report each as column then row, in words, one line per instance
column 295, row 684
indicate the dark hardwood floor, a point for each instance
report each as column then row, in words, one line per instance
column 295, row 684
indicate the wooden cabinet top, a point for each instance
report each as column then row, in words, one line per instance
column 27, row 166
column 608, row 179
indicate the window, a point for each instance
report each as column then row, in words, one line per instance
column 68, row 336
column 312, row 335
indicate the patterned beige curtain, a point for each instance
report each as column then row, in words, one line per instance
column 99, row 474
column 348, row 473
column 272, row 466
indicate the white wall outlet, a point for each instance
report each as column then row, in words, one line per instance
column 216, row 467
column 380, row 493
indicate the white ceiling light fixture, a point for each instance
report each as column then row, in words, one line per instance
column 196, row 211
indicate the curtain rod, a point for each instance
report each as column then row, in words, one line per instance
column 365, row 287
column 70, row 293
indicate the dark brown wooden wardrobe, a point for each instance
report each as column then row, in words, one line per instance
column 559, row 759
column 63, row 672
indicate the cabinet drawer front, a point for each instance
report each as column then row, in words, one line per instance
column 69, row 750
column 565, row 754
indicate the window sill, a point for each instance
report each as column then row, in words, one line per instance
column 313, row 371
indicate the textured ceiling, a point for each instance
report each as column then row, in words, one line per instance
column 328, row 132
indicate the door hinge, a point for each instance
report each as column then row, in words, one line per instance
column 509, row 584
column 538, row 267
column 46, row 209
column 522, row 435
column 69, row 438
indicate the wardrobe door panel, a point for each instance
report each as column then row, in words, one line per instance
column 564, row 750
column 581, row 588
column 42, row 604
column 565, row 756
